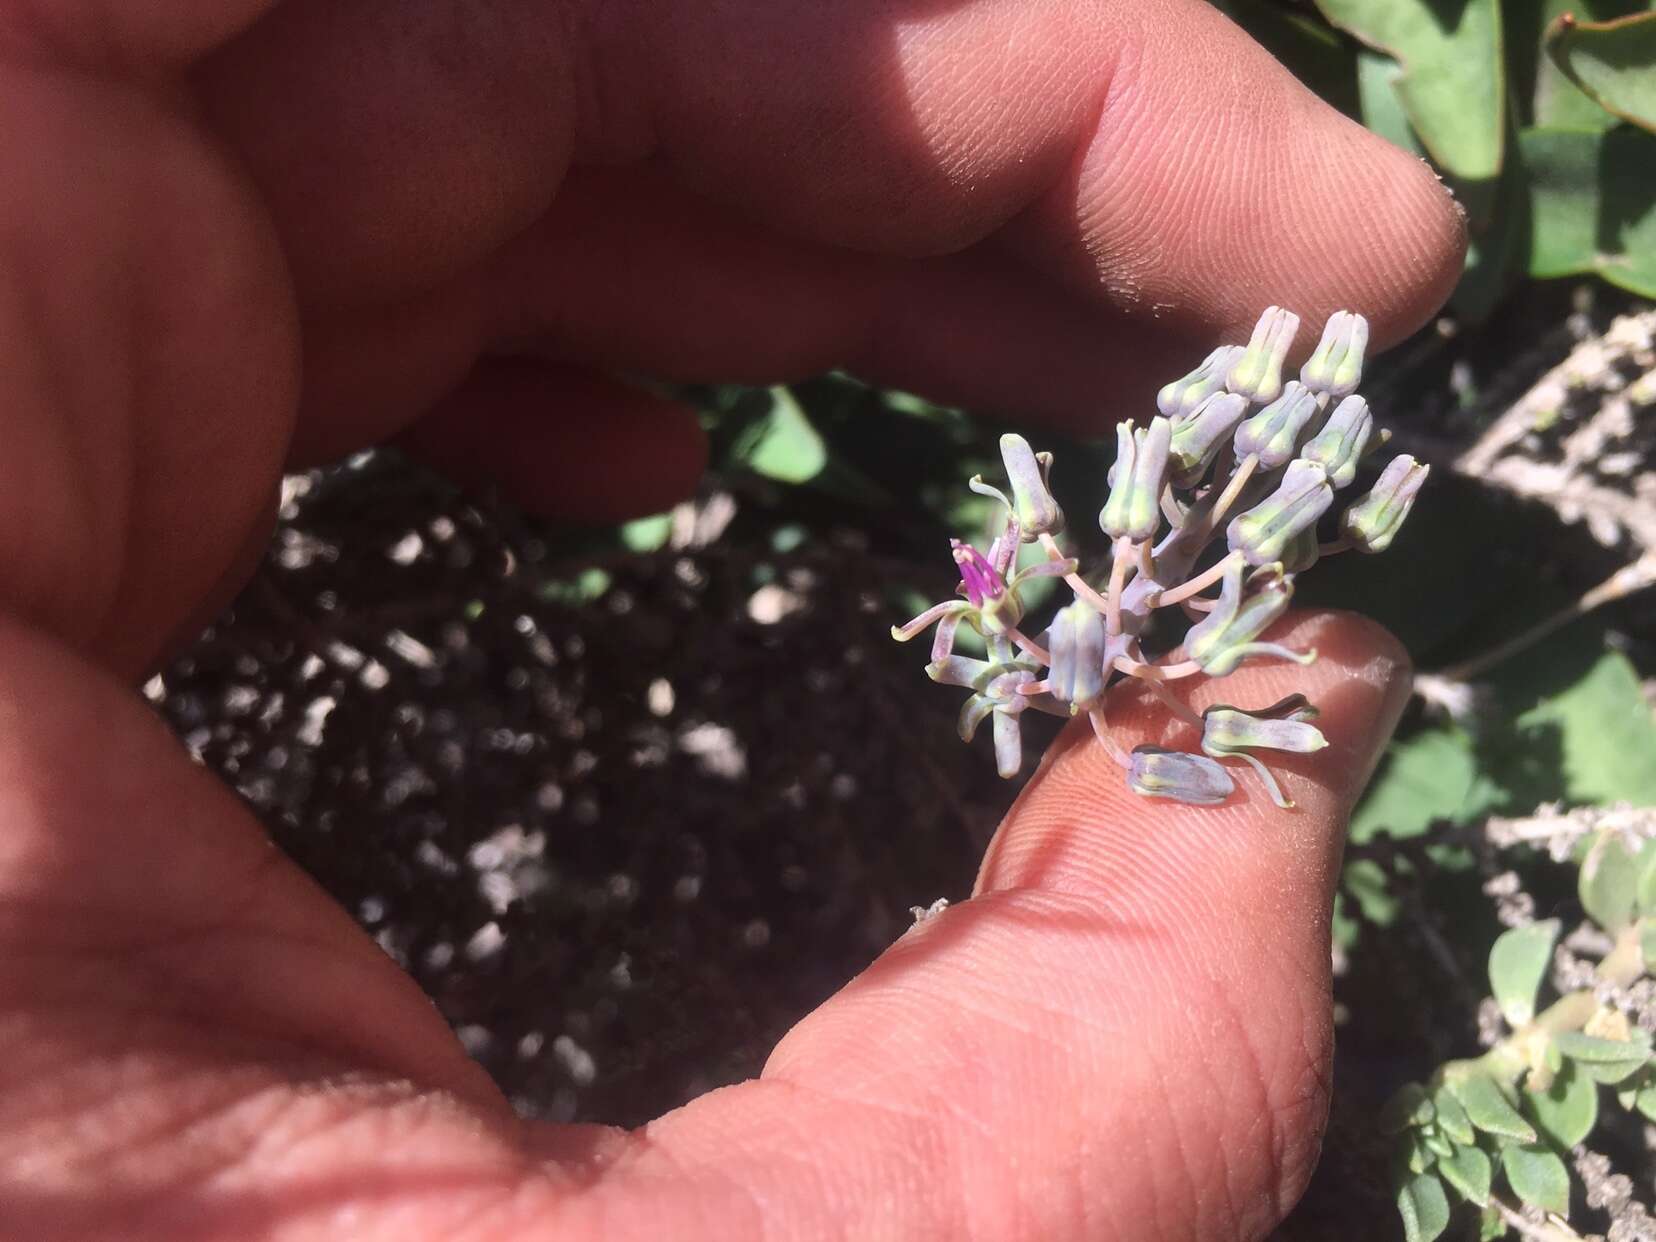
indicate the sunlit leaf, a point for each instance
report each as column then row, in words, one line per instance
column 783, row 445
column 1607, row 1060
column 1452, row 83
column 1613, row 62
column 1608, row 882
column 1517, row 964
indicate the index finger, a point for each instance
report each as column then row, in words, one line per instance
column 1148, row 157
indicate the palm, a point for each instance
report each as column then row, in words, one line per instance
column 197, row 1043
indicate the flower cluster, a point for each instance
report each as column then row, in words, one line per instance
column 1226, row 486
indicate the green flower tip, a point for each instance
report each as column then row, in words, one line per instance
column 1257, row 373
column 1340, row 445
column 1199, row 435
column 1183, row 396
column 1274, row 432
column 1336, row 366
column 1133, row 510
column 1373, row 522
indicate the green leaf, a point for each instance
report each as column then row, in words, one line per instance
column 1607, row 730
column 1645, row 1101
column 1567, row 1110
column 1488, row 1108
column 1556, row 102
column 1517, row 964
column 1452, row 1118
column 1593, row 208
column 1537, row 1176
column 1452, row 81
column 1469, row 1171
column 1409, row 1106
column 1647, row 942
column 1647, row 878
column 1431, row 776
column 1608, row 882
column 1606, row 1060
column 647, row 534
column 1424, row 1208
column 1612, row 62
column 784, row 445
column 1382, row 111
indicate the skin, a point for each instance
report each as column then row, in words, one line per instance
column 237, row 233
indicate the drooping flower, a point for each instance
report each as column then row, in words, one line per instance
column 1156, row 772
column 1230, row 732
column 1228, row 634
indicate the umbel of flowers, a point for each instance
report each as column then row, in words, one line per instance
column 1225, row 488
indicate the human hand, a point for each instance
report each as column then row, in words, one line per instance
column 1014, row 204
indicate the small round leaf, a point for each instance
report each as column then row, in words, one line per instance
column 1424, row 1208
column 1567, row 1111
column 1517, row 964
column 1537, row 1176
column 1609, row 882
column 1469, row 1171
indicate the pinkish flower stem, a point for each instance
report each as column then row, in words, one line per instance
column 1036, row 652
column 1076, row 582
column 1157, row 672
column 1203, row 580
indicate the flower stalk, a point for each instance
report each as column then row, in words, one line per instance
column 1172, row 491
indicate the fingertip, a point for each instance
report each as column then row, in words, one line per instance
column 1078, row 826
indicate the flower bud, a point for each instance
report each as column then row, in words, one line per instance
column 1033, row 509
column 1262, row 533
column 1339, row 446
column 1198, row 437
column 1274, row 432
column 1373, row 521
column 1336, row 367
column 1229, row 730
column 1182, row 396
column 1257, row 374
column 1226, row 636
column 1075, row 642
column 1133, row 510
column 1156, row 772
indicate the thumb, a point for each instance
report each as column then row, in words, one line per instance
column 1126, row 1032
